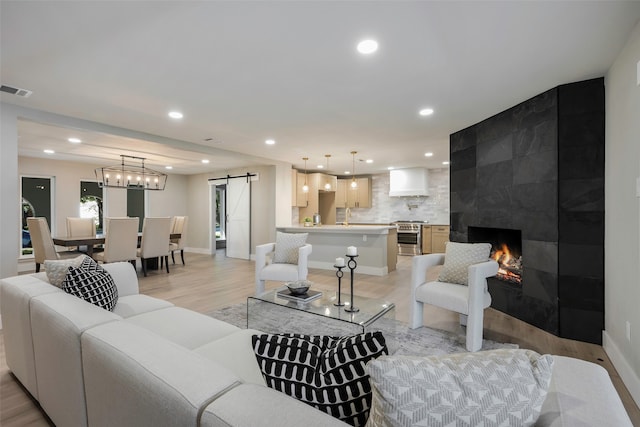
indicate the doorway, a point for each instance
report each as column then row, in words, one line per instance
column 221, row 214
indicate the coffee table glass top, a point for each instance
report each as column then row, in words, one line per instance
column 370, row 309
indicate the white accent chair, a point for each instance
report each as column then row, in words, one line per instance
column 121, row 241
column 178, row 226
column 470, row 301
column 155, row 241
column 80, row 227
column 281, row 272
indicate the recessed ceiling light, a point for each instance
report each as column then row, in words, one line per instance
column 168, row 167
column 320, row 167
column 74, row 140
column 175, row 114
column 367, row 47
column 205, row 161
column 49, row 151
column 369, row 161
column 428, row 154
column 270, row 142
column 390, row 168
column 347, row 172
column 426, row 112
column 445, row 163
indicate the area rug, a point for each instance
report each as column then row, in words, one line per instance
column 400, row 339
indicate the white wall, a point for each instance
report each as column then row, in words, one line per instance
column 266, row 204
column 10, row 224
column 622, row 214
column 172, row 201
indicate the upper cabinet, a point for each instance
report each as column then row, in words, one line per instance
column 298, row 196
column 360, row 197
column 341, row 193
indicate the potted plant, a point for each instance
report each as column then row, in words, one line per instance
column 308, row 222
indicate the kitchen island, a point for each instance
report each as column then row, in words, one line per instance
column 377, row 246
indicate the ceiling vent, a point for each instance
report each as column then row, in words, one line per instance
column 16, row 91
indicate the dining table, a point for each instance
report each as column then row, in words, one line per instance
column 91, row 241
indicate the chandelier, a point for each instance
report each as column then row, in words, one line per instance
column 132, row 175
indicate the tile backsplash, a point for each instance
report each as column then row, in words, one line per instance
column 384, row 209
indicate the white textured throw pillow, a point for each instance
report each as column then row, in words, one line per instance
column 503, row 387
column 287, row 245
column 457, row 259
column 57, row 269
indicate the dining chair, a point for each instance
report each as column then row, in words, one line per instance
column 179, row 226
column 80, row 227
column 41, row 241
column 121, row 241
column 155, row 241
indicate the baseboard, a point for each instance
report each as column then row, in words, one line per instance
column 361, row 269
column 626, row 372
column 205, row 251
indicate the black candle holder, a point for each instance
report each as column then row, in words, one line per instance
column 352, row 264
column 339, row 274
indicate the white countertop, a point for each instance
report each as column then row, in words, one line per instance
column 354, row 229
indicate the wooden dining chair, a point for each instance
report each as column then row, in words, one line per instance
column 179, row 226
column 155, row 241
column 80, row 227
column 121, row 241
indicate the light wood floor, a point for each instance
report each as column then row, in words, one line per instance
column 207, row 283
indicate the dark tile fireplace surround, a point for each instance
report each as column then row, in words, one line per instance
column 538, row 169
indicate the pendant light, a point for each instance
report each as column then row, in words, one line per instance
column 354, row 184
column 327, row 185
column 305, row 187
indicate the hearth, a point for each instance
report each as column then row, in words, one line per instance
column 506, row 249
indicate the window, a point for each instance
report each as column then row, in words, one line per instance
column 36, row 202
column 135, row 205
column 91, row 203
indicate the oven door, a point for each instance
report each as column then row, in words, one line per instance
column 409, row 243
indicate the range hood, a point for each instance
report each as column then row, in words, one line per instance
column 408, row 182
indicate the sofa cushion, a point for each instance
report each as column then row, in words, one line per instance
column 184, row 327
column 132, row 305
column 287, row 246
column 457, row 259
column 92, row 283
column 325, row 372
column 56, row 269
column 490, row 388
column 133, row 377
column 235, row 352
column 254, row 405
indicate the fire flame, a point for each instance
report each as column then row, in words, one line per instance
column 506, row 260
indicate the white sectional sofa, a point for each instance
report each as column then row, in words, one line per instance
column 149, row 363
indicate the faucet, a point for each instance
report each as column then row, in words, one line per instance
column 347, row 215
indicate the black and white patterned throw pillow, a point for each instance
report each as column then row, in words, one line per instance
column 325, row 372
column 92, row 283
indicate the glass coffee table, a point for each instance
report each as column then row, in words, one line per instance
column 272, row 314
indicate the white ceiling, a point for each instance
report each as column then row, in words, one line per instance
column 245, row 71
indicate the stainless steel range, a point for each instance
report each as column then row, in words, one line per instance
column 409, row 237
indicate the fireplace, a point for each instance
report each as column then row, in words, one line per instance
column 506, row 249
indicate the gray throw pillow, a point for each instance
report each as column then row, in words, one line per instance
column 57, row 269
column 287, row 245
column 488, row 388
column 457, row 259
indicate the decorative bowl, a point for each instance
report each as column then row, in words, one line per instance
column 299, row 287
